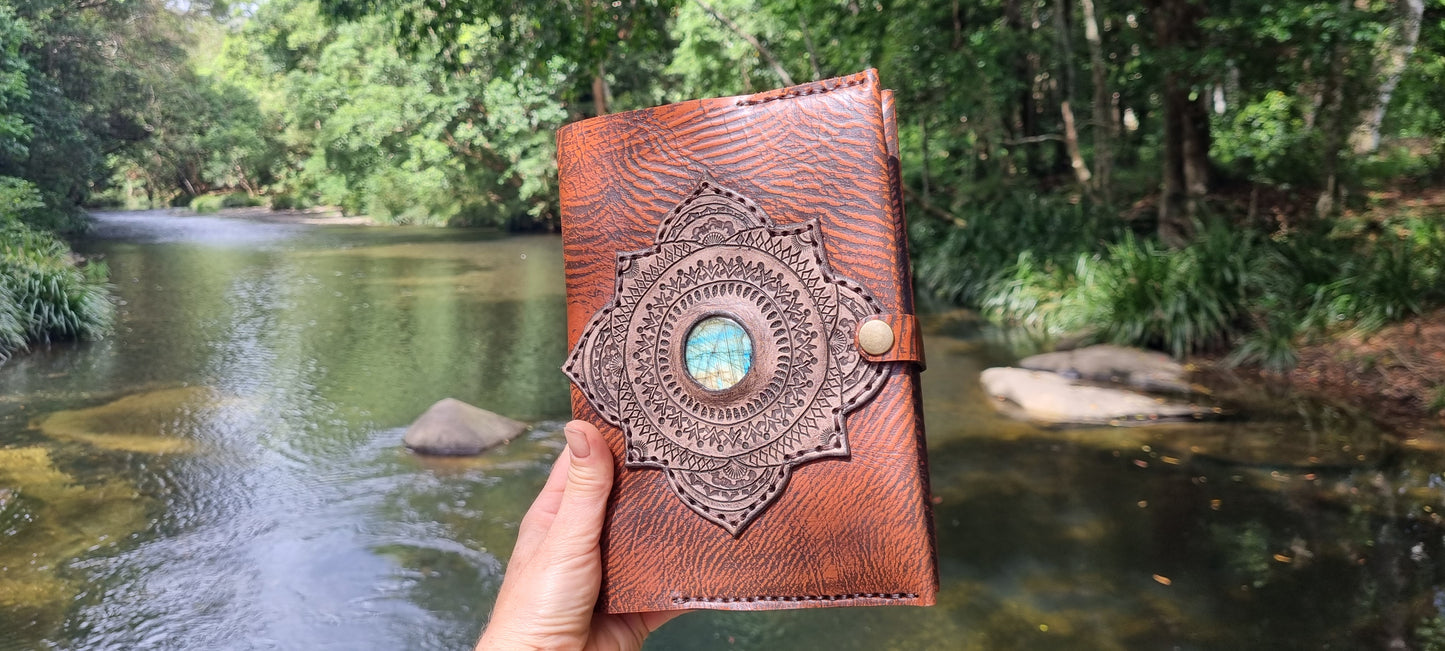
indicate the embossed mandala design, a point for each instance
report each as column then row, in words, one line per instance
column 727, row 444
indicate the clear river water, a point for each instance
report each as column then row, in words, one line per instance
column 225, row 472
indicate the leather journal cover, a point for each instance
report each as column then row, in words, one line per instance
column 741, row 322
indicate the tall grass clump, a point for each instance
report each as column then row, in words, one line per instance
column 44, row 294
column 1139, row 292
column 964, row 260
column 1393, row 275
column 1231, row 289
column 12, row 327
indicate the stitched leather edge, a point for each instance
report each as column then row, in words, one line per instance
column 814, row 88
column 891, row 596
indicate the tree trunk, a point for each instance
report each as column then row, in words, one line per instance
column 1024, row 124
column 958, row 23
column 1394, row 53
column 1071, row 143
column 1196, row 150
column 1332, row 123
column 600, row 90
column 1186, row 168
column 599, row 77
column 1103, row 107
column 1066, row 93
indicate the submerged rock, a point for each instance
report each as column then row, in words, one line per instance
column 51, row 519
column 1056, row 400
column 453, row 427
column 1143, row 369
column 154, row 422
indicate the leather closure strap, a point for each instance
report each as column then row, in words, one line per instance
column 906, row 344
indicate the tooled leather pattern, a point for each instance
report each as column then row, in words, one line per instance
column 844, row 530
column 728, row 453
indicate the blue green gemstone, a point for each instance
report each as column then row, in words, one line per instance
column 719, row 353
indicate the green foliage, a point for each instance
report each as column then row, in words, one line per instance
column 44, row 296
column 1437, row 400
column 206, row 204
column 206, row 135
column 209, row 203
column 1044, row 299
column 1396, row 165
column 1230, row 287
column 1396, row 274
column 17, row 197
column 1137, row 292
column 415, row 115
column 286, row 201
column 1271, row 347
column 1430, row 634
column 1269, row 142
column 396, row 130
column 14, row 89
column 1417, row 109
column 962, row 260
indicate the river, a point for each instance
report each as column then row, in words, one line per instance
column 225, row 472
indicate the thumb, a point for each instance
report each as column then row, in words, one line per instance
column 578, row 525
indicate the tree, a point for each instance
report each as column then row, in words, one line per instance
column 1185, row 155
column 1393, row 53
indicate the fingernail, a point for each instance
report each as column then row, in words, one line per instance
column 577, row 442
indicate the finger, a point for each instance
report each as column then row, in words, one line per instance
column 578, row 524
column 654, row 620
column 538, row 519
column 627, row 630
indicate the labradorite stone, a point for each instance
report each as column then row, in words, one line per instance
column 719, row 353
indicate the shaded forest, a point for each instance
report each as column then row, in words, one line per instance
column 1229, row 176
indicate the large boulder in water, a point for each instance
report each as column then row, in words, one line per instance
column 453, row 427
column 1056, row 400
column 1143, row 369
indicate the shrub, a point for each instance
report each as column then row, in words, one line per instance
column 1365, row 282
column 400, row 196
column 207, row 203
column 44, row 295
column 288, row 201
column 1269, row 141
column 240, row 200
column 1272, row 346
column 965, row 260
column 1138, row 292
column 1041, row 297
column 12, row 322
column 17, row 197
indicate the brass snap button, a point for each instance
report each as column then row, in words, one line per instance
column 875, row 337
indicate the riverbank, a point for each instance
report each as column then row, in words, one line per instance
column 1395, row 376
column 310, row 216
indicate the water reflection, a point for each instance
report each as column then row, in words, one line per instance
column 288, row 358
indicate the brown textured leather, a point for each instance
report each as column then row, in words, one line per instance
column 847, row 531
column 728, row 447
column 907, row 340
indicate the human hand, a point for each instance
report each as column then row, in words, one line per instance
column 553, row 579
